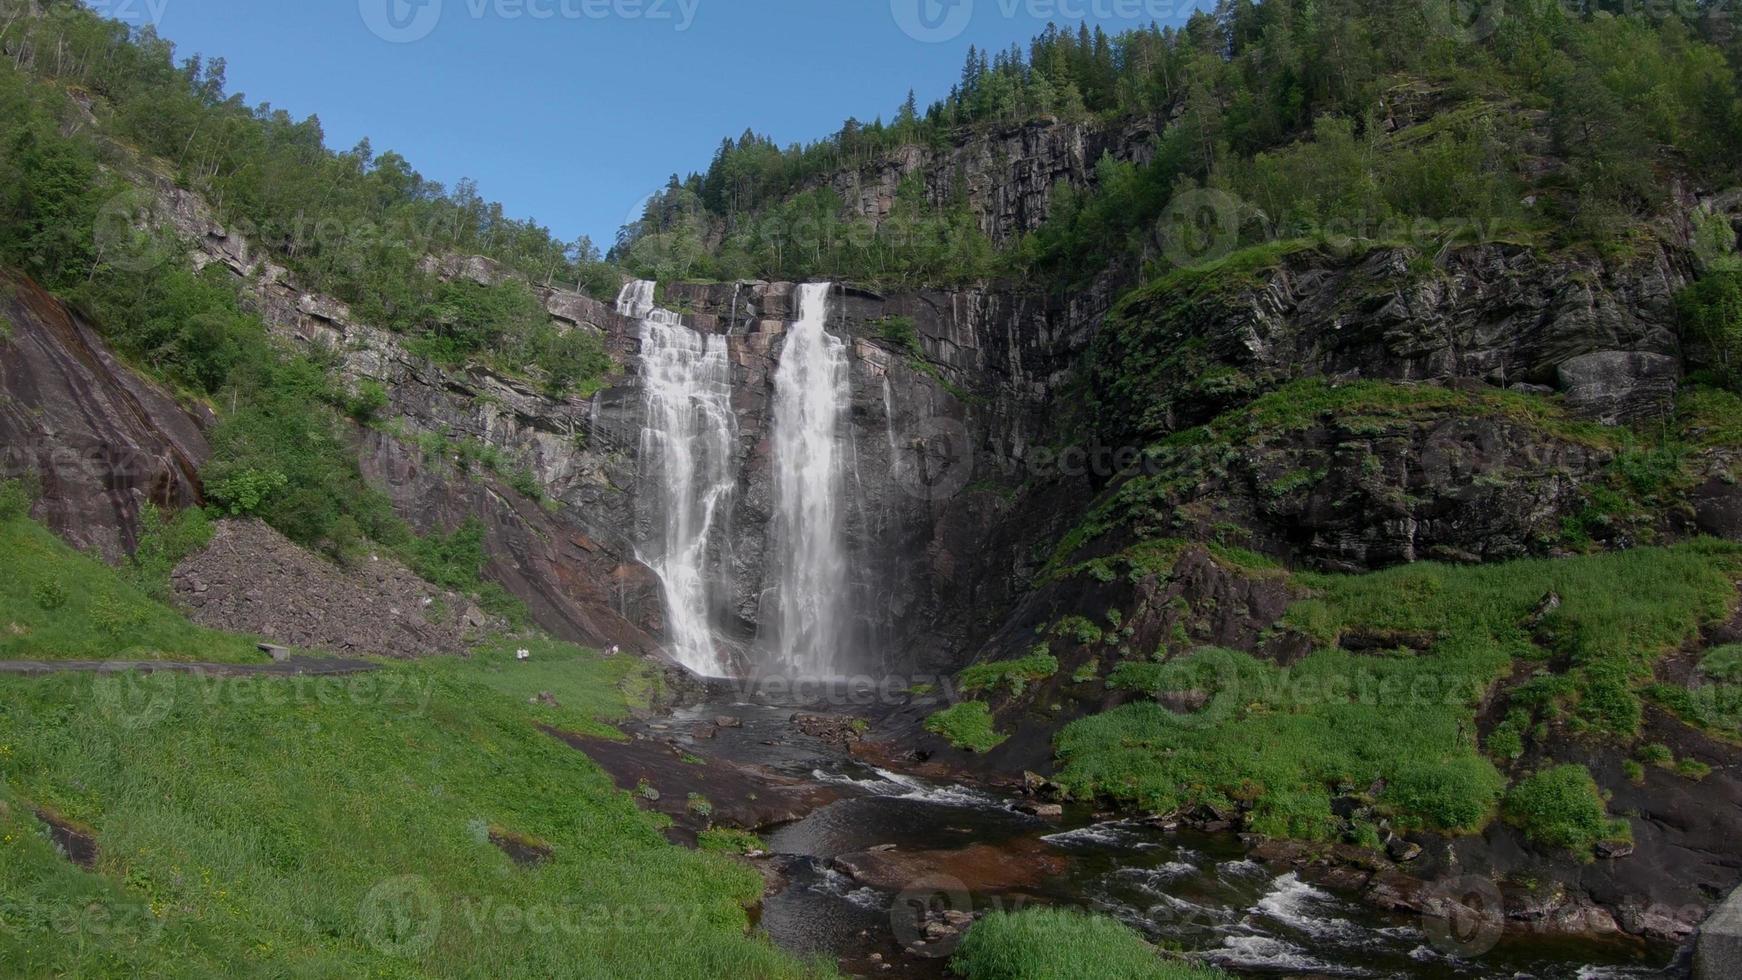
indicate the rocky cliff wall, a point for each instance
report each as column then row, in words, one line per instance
column 978, row 444
column 98, row 440
column 1007, row 176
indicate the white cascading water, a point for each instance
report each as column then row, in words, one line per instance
column 811, row 393
column 686, row 459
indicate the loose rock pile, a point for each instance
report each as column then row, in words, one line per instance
column 251, row 579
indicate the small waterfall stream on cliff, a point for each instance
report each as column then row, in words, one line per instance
column 811, row 393
column 686, row 455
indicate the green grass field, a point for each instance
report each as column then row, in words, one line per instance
column 59, row 604
column 341, row 827
column 330, row 827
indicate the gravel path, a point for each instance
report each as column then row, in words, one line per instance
column 294, row 667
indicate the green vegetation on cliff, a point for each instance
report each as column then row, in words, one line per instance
column 1334, row 121
column 968, row 725
column 91, row 113
column 1398, row 730
column 1563, row 808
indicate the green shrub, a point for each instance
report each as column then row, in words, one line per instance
column 1656, row 754
column 899, row 332
column 366, row 405
column 1037, row 666
column 526, row 484
column 1562, row 808
column 1506, row 741
column 729, row 840
column 967, row 725
column 1077, row 628
column 16, row 499
column 49, row 595
column 1314, row 620
column 1711, row 311
column 164, row 541
column 1693, row 769
column 456, row 561
column 119, row 616
column 244, row 492
column 1445, row 794
column 1063, row 944
column 699, row 805
column 1723, row 663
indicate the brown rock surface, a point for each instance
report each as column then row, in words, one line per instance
column 251, row 579
column 100, row 441
column 981, row 868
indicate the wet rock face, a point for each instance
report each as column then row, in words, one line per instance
column 951, row 392
column 1344, row 497
column 576, row 586
column 100, row 442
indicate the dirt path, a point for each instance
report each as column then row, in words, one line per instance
column 294, row 667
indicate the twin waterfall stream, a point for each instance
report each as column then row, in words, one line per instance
column 687, row 458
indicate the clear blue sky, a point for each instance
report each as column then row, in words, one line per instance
column 572, row 111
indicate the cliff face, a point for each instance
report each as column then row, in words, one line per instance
column 987, row 421
column 100, row 441
column 978, row 442
column 1007, row 176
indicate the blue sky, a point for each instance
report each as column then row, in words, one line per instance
column 572, row 111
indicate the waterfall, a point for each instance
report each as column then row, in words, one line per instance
column 811, row 394
column 686, row 461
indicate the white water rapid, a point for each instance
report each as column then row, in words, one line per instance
column 686, row 460
column 811, row 397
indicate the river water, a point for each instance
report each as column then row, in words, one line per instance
column 1194, row 892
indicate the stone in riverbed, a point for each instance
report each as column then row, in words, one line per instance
column 1402, row 851
column 979, row 867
